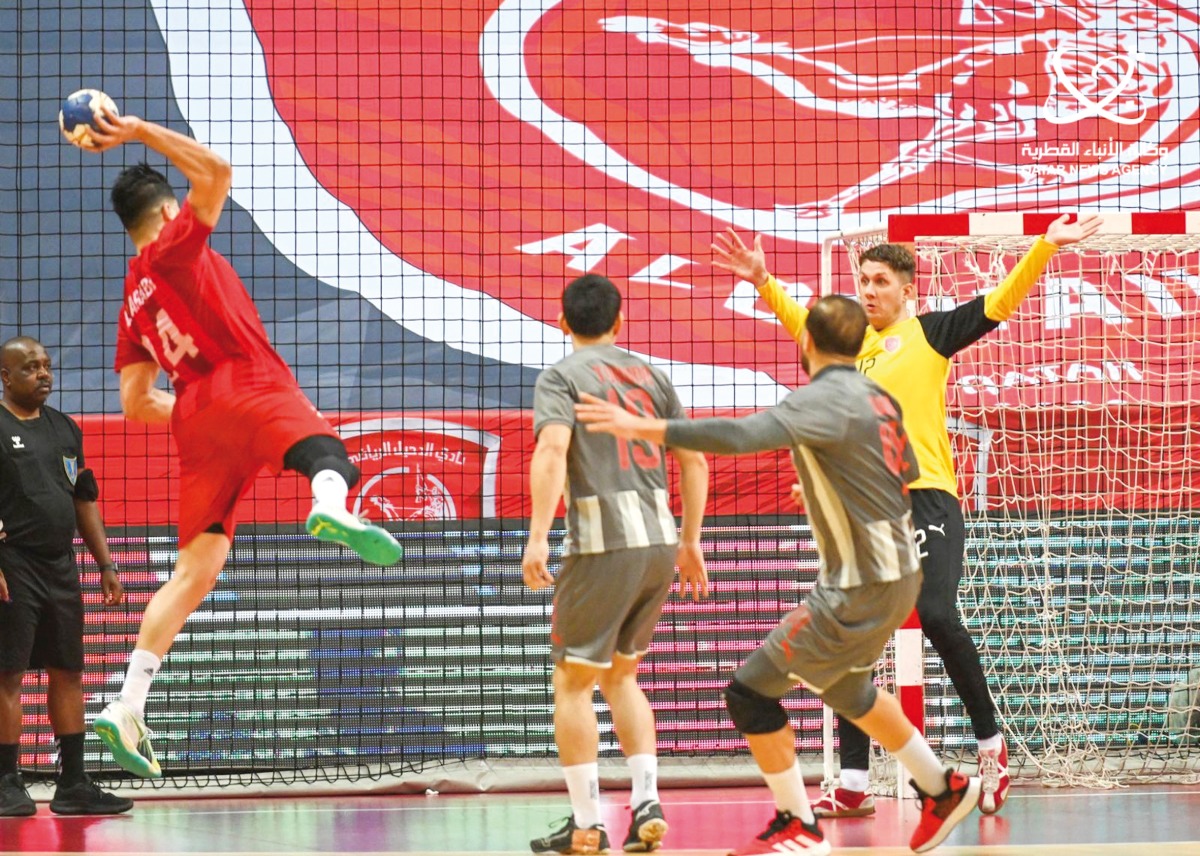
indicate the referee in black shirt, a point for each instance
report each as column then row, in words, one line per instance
column 46, row 493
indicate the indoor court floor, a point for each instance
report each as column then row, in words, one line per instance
column 1143, row 821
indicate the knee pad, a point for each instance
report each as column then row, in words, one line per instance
column 321, row 452
column 853, row 696
column 752, row 712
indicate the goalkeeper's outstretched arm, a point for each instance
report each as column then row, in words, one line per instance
column 750, row 264
column 1002, row 302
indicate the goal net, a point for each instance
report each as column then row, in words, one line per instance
column 1076, row 440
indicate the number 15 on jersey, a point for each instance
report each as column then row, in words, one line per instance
column 644, row 455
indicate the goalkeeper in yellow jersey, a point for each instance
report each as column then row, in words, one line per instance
column 909, row 356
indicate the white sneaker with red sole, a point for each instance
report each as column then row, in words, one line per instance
column 993, row 771
column 840, row 802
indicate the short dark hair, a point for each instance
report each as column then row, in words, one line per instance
column 591, row 304
column 895, row 256
column 9, row 349
column 137, row 192
column 837, row 325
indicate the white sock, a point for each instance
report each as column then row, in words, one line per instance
column 583, row 784
column 143, row 666
column 927, row 771
column 329, row 489
column 855, row 780
column 788, row 789
column 643, row 772
column 991, row 744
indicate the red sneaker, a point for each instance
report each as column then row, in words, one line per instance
column 787, row 834
column 840, row 802
column 993, row 770
column 940, row 814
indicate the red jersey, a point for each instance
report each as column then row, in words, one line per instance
column 187, row 310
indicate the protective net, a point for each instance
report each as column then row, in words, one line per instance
column 415, row 182
column 308, row 666
column 1074, row 433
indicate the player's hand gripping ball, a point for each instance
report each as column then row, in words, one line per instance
column 77, row 119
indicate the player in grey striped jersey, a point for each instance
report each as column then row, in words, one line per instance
column 854, row 463
column 619, row 558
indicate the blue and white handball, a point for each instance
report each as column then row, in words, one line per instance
column 77, row 118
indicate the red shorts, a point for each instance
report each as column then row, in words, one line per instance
column 225, row 436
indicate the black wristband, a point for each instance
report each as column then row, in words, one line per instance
column 111, row 566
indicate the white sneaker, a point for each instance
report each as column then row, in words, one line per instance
column 373, row 544
column 127, row 737
column 993, row 770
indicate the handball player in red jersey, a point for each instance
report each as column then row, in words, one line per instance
column 236, row 406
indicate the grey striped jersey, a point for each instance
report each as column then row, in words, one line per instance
column 616, row 492
column 854, row 462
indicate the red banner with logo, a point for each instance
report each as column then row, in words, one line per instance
column 448, row 465
column 430, row 466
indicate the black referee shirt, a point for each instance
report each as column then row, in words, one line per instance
column 40, row 461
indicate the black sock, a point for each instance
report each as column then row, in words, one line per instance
column 70, row 758
column 9, row 754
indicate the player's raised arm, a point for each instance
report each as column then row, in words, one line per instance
column 604, row 416
column 209, row 174
column 760, row 432
column 750, row 264
column 1002, row 302
column 141, row 400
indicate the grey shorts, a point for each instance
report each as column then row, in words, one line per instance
column 607, row 604
column 834, row 634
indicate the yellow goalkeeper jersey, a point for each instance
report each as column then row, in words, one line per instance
column 911, row 359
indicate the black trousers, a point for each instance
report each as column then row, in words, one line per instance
column 941, row 539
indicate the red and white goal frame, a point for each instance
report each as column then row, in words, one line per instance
column 1134, row 227
column 1166, row 242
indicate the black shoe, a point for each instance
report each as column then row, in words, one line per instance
column 14, row 799
column 646, row 829
column 84, row 797
column 572, row 839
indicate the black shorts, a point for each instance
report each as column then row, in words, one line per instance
column 42, row 625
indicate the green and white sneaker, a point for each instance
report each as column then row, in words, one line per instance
column 373, row 543
column 127, row 737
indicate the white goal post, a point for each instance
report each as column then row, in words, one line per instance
column 1076, row 428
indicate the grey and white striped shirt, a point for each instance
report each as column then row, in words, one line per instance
column 616, row 489
column 854, row 462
